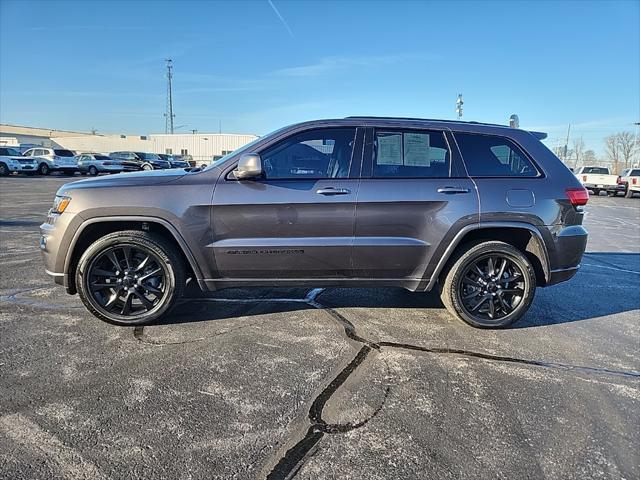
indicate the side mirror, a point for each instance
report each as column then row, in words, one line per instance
column 249, row 166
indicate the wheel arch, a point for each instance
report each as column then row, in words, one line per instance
column 92, row 229
column 524, row 236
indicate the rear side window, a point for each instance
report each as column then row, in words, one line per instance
column 64, row 153
column 410, row 154
column 493, row 156
column 634, row 173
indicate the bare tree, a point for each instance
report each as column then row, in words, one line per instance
column 578, row 150
column 628, row 144
column 612, row 149
column 589, row 158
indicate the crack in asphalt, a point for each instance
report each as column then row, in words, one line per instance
column 289, row 462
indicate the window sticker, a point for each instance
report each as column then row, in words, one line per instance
column 389, row 149
column 416, row 150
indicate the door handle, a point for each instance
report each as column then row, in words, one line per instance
column 452, row 190
column 333, row 191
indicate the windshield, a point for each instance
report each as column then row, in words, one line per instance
column 243, row 149
column 9, row 151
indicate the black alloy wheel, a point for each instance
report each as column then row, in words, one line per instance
column 130, row 277
column 488, row 284
column 491, row 287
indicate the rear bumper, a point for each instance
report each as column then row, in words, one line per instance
column 569, row 245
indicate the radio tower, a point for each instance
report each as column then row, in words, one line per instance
column 169, row 116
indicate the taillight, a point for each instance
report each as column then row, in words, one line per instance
column 584, row 178
column 577, row 196
column 634, row 181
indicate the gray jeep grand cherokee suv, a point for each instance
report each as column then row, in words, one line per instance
column 485, row 213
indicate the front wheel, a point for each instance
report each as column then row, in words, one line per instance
column 93, row 171
column 489, row 285
column 4, row 170
column 43, row 169
column 147, row 167
column 130, row 277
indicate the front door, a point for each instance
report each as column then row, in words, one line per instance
column 296, row 221
column 413, row 190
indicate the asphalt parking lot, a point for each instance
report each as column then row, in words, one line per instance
column 333, row 383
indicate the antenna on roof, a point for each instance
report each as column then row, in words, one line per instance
column 459, row 103
column 169, row 116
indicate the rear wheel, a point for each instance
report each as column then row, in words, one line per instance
column 93, row 171
column 130, row 277
column 596, row 192
column 146, row 166
column 43, row 169
column 489, row 285
column 4, row 170
column 628, row 193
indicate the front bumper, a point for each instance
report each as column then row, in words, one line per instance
column 55, row 237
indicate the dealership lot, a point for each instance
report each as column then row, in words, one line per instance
column 363, row 383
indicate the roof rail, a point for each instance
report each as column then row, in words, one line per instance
column 538, row 135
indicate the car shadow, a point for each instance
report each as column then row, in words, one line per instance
column 606, row 284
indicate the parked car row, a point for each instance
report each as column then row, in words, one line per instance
column 599, row 179
column 44, row 161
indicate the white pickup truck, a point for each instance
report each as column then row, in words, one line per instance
column 598, row 179
column 630, row 180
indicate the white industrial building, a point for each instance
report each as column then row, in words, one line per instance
column 203, row 147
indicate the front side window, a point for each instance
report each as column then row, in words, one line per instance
column 324, row 153
column 410, row 154
column 493, row 156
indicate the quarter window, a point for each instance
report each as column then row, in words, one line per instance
column 492, row 156
column 411, row 154
column 315, row 154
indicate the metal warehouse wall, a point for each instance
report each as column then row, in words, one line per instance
column 201, row 146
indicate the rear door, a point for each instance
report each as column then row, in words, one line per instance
column 414, row 195
column 297, row 221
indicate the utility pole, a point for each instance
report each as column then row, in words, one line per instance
column 169, row 116
column 459, row 104
column 566, row 144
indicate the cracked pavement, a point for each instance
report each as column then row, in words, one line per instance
column 322, row 383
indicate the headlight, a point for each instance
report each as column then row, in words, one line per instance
column 60, row 204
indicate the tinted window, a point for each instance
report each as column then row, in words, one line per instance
column 101, row 157
column 412, row 154
column 492, row 156
column 634, row 173
column 596, row 170
column 316, row 154
column 9, row 151
column 64, row 153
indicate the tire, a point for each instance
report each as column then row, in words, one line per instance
column 147, row 167
column 96, row 263
column 93, row 171
column 596, row 192
column 4, row 170
column 43, row 169
column 628, row 193
column 508, row 306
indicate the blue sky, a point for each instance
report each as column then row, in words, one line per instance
column 255, row 66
